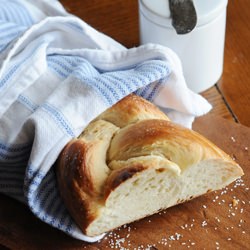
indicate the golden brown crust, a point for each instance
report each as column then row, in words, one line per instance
column 131, row 109
column 161, row 137
column 87, row 169
column 79, row 182
column 69, row 173
column 74, row 164
column 117, row 177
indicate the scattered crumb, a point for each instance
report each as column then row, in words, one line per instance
column 226, row 197
column 235, row 202
column 233, row 139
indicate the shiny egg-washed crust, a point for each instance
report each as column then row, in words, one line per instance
column 131, row 110
column 123, row 143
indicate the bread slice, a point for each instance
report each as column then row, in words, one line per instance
column 131, row 162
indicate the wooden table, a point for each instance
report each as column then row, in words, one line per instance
column 230, row 97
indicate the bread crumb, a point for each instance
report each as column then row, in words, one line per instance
column 233, row 139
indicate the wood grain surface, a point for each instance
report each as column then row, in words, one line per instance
column 119, row 19
column 207, row 222
column 235, row 82
column 216, row 99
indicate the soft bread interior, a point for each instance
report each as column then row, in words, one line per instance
column 95, row 141
column 125, row 167
column 157, row 169
column 156, row 188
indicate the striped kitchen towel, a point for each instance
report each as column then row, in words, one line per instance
column 56, row 74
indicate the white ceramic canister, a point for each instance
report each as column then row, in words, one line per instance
column 201, row 51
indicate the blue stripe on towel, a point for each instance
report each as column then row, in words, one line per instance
column 56, row 61
column 27, row 103
column 15, row 12
column 20, row 158
column 5, row 79
column 14, row 147
column 110, row 85
column 14, row 153
column 147, row 75
column 63, row 66
column 44, row 199
column 14, row 20
column 59, row 118
column 54, row 67
column 11, row 180
column 6, row 29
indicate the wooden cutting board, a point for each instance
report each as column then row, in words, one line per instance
column 219, row 220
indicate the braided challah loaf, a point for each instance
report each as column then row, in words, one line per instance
column 131, row 162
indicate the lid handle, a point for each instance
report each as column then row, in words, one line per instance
column 183, row 14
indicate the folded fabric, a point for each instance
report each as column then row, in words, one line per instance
column 56, row 74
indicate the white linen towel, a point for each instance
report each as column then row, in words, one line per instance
column 56, row 74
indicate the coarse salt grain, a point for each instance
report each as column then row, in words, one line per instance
column 204, row 223
column 217, row 219
column 178, row 236
column 171, row 237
